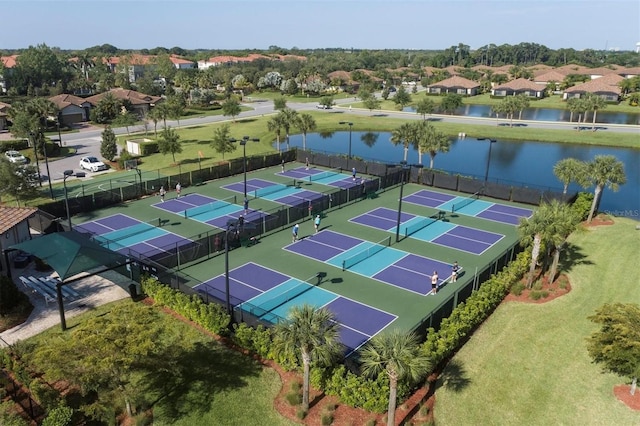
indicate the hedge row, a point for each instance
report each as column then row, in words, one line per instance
column 210, row 316
column 14, row 144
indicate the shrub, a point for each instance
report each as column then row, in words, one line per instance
column 538, row 294
column 59, row 416
column 11, row 298
column 147, row 148
column 326, row 419
column 517, row 288
column 371, row 422
column 301, row 413
column 582, row 205
column 14, row 144
column 124, row 156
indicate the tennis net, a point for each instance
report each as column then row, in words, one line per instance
column 325, row 174
column 272, row 189
column 366, row 253
column 413, row 228
column 282, row 298
column 460, row 204
column 214, row 205
column 138, row 228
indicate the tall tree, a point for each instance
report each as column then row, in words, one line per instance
column 404, row 135
column 231, row 108
column 604, row 171
column 402, row 98
column 450, row 102
column 289, row 119
column 125, row 119
column 108, row 146
column 279, row 103
column 311, row 333
column 162, row 111
column 430, row 140
column 564, row 222
column 169, row 143
column 221, row 140
column 371, row 103
column 276, row 125
column 18, row 181
column 397, row 354
column 594, row 103
column 305, row 123
column 570, row 170
column 533, row 231
column 425, row 107
column 615, row 346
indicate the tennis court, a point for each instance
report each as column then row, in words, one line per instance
column 269, row 295
column 209, row 210
column 373, row 260
column 470, row 206
column 120, row 233
column 332, row 177
column 289, row 194
column 463, row 238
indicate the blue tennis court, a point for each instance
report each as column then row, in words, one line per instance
column 269, row 295
column 291, row 195
column 374, row 260
column 120, row 233
column 210, row 210
column 333, row 177
column 470, row 206
column 463, row 238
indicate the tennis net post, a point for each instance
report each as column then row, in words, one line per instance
column 412, row 229
column 366, row 253
column 470, row 199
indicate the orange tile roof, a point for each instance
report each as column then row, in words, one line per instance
column 548, row 76
column 456, row 81
column 520, row 84
column 64, row 100
column 11, row 216
column 605, row 84
column 136, row 98
column 9, row 61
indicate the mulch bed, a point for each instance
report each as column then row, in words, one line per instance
column 622, row 393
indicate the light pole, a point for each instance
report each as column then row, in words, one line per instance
column 243, row 142
column 231, row 224
column 491, row 142
column 404, row 167
column 350, row 124
column 66, row 174
column 46, row 161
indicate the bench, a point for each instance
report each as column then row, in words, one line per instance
column 67, row 291
column 43, row 288
column 29, row 285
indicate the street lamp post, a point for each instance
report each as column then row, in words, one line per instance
column 491, row 142
column 404, row 167
column 350, row 124
column 66, row 174
column 243, row 142
column 46, row 162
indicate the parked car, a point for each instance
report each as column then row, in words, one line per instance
column 92, row 163
column 320, row 106
column 15, row 157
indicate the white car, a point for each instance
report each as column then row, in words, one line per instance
column 15, row 157
column 92, row 163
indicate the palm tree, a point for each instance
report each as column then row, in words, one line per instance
column 428, row 139
column 533, row 231
column 397, row 354
column 563, row 221
column 289, row 118
column 305, row 123
column 276, row 124
column 314, row 334
column 405, row 135
column 604, row 170
column 595, row 103
column 570, row 170
column 154, row 116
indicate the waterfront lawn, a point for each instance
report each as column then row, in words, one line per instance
column 528, row 363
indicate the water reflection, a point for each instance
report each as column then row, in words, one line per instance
column 523, row 163
column 547, row 114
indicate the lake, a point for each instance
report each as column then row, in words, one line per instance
column 514, row 162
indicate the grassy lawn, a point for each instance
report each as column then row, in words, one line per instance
column 528, row 363
column 208, row 384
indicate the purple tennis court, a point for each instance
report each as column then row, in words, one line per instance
column 391, row 266
column 291, row 195
column 470, row 206
column 333, row 177
column 254, row 288
column 463, row 238
column 125, row 234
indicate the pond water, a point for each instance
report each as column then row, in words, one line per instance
column 547, row 114
column 513, row 162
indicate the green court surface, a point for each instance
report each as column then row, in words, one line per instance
column 411, row 309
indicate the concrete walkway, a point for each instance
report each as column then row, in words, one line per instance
column 94, row 291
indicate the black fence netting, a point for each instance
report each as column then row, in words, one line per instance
column 445, row 181
column 526, row 195
column 497, row 190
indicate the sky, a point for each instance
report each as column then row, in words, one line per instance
column 360, row 24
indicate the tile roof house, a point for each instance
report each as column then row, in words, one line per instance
column 217, row 61
column 548, row 76
column 607, row 87
column 8, row 62
column 14, row 229
column 140, row 102
column 138, row 64
column 3, row 115
column 72, row 108
column 455, row 84
column 519, row 86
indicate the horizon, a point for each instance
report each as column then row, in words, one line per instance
column 348, row 24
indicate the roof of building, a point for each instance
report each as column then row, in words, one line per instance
column 519, row 84
column 64, row 100
column 12, row 216
column 604, row 84
column 9, row 61
column 136, row 98
column 456, row 81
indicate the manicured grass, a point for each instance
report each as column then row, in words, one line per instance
column 209, row 383
column 528, row 363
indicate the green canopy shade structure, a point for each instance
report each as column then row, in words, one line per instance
column 70, row 253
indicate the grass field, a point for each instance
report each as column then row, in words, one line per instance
column 528, row 364
column 210, row 384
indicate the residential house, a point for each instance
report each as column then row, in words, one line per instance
column 14, row 229
column 135, row 66
column 72, row 108
column 547, row 77
column 340, row 80
column 629, row 72
column 455, row 84
column 519, row 86
column 140, row 103
column 217, row 61
column 4, row 108
column 8, row 62
column 607, row 87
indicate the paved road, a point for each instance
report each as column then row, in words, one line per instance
column 87, row 141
